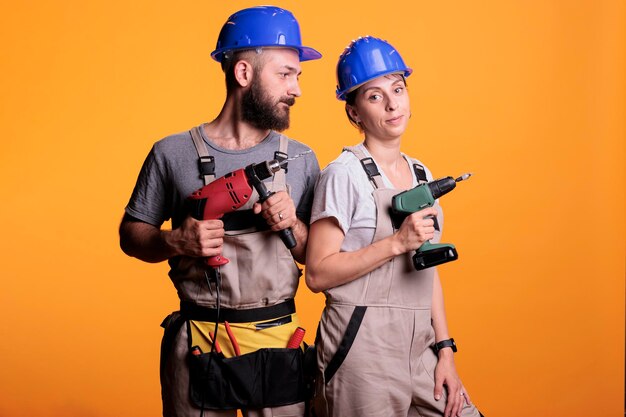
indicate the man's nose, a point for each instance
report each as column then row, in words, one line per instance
column 294, row 89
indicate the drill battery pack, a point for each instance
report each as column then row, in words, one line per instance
column 434, row 255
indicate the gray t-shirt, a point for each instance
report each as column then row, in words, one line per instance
column 170, row 174
column 344, row 192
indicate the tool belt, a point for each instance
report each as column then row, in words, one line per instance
column 267, row 377
column 193, row 311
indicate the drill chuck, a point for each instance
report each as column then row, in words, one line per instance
column 441, row 187
column 265, row 169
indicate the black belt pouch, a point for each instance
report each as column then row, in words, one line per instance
column 268, row 377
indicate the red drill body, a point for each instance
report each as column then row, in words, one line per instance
column 228, row 193
column 224, row 195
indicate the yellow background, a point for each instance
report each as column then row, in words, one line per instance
column 527, row 94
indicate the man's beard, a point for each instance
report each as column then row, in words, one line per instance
column 259, row 110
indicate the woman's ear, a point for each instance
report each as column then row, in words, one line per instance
column 353, row 114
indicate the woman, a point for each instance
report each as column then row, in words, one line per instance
column 376, row 340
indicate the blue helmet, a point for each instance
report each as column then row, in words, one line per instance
column 365, row 59
column 261, row 26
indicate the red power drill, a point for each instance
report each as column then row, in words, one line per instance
column 230, row 192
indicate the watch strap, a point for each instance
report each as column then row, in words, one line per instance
column 444, row 344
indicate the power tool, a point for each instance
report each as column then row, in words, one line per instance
column 228, row 193
column 419, row 198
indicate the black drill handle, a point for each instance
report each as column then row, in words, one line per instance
column 286, row 235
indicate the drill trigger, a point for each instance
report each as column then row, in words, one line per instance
column 436, row 223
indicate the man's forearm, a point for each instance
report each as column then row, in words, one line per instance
column 301, row 233
column 145, row 241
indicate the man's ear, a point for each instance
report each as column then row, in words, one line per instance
column 243, row 73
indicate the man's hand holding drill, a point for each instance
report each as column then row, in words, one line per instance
column 278, row 211
column 197, row 238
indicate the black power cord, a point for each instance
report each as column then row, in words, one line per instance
column 218, row 284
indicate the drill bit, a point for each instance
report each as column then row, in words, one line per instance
column 463, row 177
column 296, row 156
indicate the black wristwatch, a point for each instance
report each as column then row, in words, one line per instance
column 444, row 344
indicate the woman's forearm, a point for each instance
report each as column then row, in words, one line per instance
column 328, row 267
column 438, row 311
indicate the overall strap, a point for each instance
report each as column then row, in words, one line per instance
column 368, row 165
column 206, row 163
column 420, row 172
column 280, row 178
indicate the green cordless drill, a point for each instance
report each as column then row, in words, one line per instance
column 418, row 198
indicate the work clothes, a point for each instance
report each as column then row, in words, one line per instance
column 261, row 277
column 261, row 271
column 170, row 174
column 375, row 334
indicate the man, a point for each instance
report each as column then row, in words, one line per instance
column 247, row 303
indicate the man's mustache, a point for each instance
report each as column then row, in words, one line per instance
column 290, row 101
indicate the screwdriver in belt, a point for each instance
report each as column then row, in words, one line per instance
column 231, row 336
column 296, row 338
column 215, row 342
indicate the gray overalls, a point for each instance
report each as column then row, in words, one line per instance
column 259, row 283
column 374, row 355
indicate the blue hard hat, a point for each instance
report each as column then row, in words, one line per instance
column 365, row 59
column 262, row 26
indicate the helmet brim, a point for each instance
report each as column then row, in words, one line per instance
column 341, row 95
column 305, row 53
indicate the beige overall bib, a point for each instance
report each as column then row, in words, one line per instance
column 261, row 279
column 374, row 355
